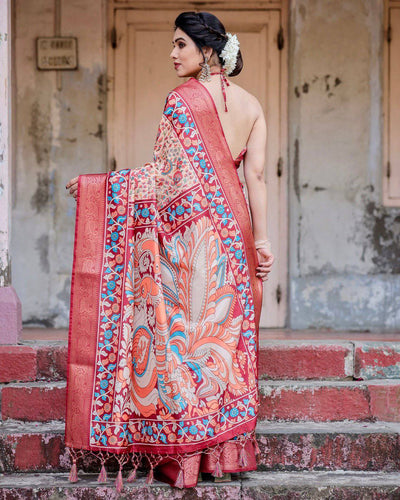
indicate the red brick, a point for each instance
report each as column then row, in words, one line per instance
column 385, row 402
column 377, row 361
column 317, row 403
column 17, row 363
column 35, row 452
column 52, row 362
column 33, row 403
column 25, row 451
column 281, row 362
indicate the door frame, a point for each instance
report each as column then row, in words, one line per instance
column 281, row 261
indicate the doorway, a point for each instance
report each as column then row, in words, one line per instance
column 141, row 74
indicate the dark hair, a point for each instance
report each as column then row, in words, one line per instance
column 206, row 30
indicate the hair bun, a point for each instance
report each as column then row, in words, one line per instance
column 206, row 30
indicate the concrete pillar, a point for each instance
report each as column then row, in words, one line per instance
column 10, row 305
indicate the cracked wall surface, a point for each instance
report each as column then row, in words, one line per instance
column 5, row 156
column 60, row 134
column 344, row 244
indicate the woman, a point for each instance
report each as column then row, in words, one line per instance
column 167, row 281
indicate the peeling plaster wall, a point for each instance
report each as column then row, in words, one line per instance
column 57, row 138
column 344, row 245
column 5, row 132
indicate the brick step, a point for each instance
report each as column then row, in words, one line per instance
column 298, row 360
column 253, row 485
column 374, row 446
column 363, row 446
column 322, row 401
column 279, row 360
column 33, row 361
column 376, row 360
column 317, row 401
column 34, row 401
column 303, row 360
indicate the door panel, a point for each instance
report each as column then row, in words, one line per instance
column 143, row 76
column 394, row 106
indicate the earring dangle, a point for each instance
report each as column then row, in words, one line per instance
column 205, row 75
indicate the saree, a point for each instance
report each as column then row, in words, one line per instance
column 165, row 308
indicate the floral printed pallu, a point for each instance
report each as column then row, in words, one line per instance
column 165, row 306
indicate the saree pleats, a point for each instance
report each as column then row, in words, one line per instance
column 165, row 306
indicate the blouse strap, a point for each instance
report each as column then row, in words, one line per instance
column 224, row 83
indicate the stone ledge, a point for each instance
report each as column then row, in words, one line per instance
column 256, row 486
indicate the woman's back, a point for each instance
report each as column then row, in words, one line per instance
column 243, row 111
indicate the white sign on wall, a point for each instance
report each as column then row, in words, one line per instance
column 59, row 52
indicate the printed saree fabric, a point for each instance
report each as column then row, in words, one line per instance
column 165, row 306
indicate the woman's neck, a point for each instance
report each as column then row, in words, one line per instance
column 215, row 69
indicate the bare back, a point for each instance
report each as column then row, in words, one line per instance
column 243, row 112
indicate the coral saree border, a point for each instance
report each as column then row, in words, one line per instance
column 129, row 213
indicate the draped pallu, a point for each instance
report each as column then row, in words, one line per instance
column 165, row 306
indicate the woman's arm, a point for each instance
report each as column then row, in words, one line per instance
column 257, row 191
column 253, row 167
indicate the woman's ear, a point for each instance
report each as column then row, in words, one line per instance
column 208, row 52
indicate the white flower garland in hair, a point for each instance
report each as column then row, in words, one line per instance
column 230, row 52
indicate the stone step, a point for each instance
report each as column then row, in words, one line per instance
column 279, row 360
column 253, row 485
column 310, row 400
column 321, row 401
column 374, row 446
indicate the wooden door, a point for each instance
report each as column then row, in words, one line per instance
column 142, row 75
column 391, row 171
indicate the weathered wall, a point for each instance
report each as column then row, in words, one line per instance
column 344, row 245
column 60, row 134
column 5, row 133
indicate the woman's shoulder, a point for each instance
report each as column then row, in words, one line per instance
column 245, row 96
column 246, row 101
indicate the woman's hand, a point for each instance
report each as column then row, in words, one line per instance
column 73, row 187
column 265, row 260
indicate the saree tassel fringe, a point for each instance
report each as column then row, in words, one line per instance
column 218, row 471
column 102, row 478
column 73, row 474
column 150, row 477
column 179, row 480
column 119, row 484
column 243, row 461
column 132, row 476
